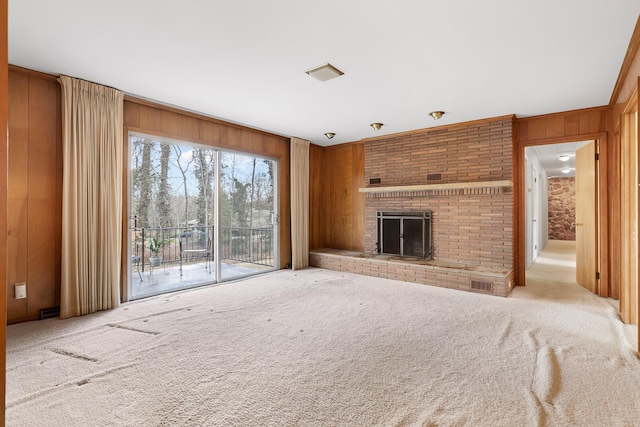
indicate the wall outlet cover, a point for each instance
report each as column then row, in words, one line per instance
column 21, row 290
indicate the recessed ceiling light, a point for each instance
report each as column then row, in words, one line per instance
column 376, row 126
column 565, row 170
column 329, row 135
column 324, row 72
column 564, row 157
column 436, row 114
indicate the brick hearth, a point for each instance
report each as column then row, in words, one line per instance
column 494, row 281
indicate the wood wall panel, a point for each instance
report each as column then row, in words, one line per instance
column 343, row 203
column 555, row 127
column 317, row 221
column 4, row 106
column 624, row 190
column 572, row 124
column 629, row 206
column 34, row 193
column 168, row 122
column 42, row 217
column 206, row 131
column 605, row 200
column 17, row 171
column 188, row 127
column 154, row 118
column 59, row 178
column 357, row 182
column 132, row 115
column 615, row 230
column 561, row 127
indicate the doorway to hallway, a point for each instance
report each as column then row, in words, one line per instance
column 550, row 208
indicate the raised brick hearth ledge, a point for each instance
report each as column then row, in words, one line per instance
column 472, row 278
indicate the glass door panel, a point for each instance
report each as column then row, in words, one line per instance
column 391, row 236
column 413, row 237
column 171, row 215
column 248, row 215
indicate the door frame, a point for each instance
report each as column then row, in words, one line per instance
column 519, row 210
column 630, row 193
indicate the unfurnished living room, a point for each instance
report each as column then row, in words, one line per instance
column 356, row 213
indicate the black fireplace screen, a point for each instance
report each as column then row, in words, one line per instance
column 405, row 234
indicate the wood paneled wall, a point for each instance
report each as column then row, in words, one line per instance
column 344, row 165
column 622, row 124
column 615, row 210
column 317, row 220
column 629, row 212
column 336, row 206
column 34, row 174
column 34, row 193
column 4, row 113
column 575, row 125
column 149, row 118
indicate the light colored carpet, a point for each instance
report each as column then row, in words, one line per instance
column 323, row 348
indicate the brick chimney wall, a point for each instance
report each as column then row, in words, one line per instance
column 473, row 229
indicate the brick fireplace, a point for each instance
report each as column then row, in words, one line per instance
column 462, row 174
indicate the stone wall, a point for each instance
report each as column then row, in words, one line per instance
column 562, row 209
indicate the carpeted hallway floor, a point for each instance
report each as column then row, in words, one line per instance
column 323, row 348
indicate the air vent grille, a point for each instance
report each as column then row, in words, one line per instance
column 48, row 313
column 481, row 286
column 434, row 177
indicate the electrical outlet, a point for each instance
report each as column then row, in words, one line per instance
column 21, row 290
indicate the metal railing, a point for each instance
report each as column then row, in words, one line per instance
column 240, row 244
column 252, row 245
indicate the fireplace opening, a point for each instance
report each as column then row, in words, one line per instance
column 406, row 234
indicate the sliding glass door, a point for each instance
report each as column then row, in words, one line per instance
column 248, row 219
column 178, row 192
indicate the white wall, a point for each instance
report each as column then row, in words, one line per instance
column 539, row 188
column 528, row 225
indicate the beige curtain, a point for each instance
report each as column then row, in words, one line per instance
column 92, row 126
column 299, row 203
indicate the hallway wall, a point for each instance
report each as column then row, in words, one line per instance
column 536, row 211
column 562, row 208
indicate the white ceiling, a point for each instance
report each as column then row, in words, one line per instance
column 244, row 61
column 548, row 156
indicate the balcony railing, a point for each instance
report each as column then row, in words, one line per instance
column 238, row 244
column 252, row 245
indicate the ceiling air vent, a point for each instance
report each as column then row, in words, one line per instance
column 324, row 72
column 481, row 286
